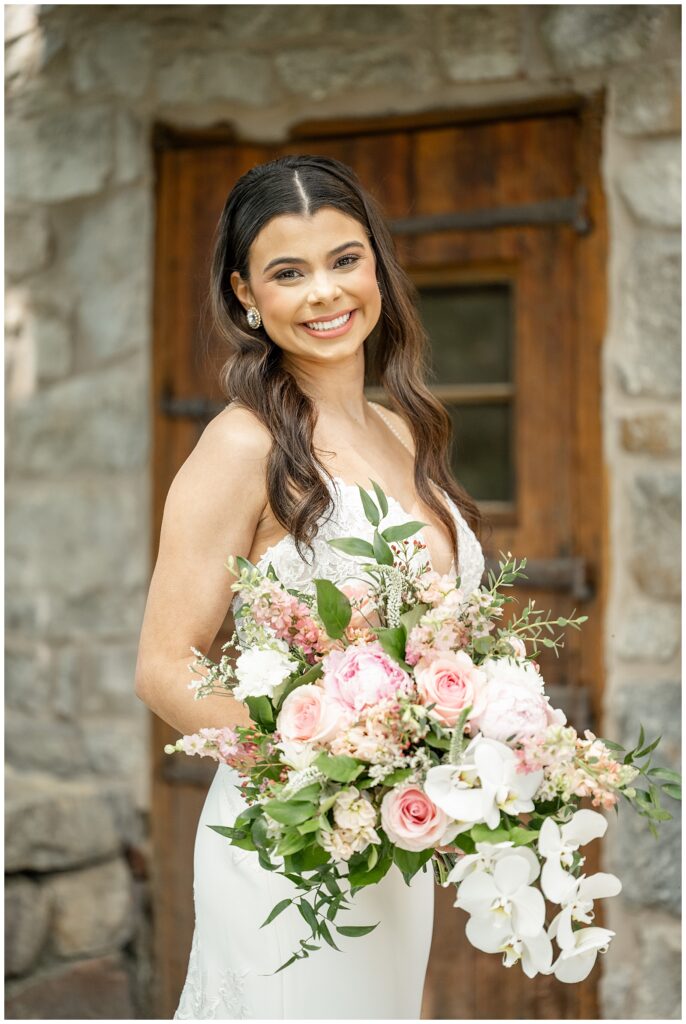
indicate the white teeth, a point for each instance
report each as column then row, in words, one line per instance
column 329, row 325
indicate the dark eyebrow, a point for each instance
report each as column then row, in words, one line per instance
column 296, row 259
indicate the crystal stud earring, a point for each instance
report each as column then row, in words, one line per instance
column 254, row 318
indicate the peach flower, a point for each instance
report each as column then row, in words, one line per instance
column 451, row 682
column 411, row 820
column 308, row 714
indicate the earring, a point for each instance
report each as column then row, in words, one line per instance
column 254, row 318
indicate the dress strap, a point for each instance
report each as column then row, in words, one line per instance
column 379, row 409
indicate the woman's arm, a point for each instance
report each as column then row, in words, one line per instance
column 211, row 511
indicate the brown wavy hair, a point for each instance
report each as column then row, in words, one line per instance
column 253, row 375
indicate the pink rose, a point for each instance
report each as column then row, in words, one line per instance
column 361, row 676
column 308, row 714
column 451, row 682
column 411, row 820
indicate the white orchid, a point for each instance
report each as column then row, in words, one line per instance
column 504, row 896
column 453, row 787
column 558, row 845
column 535, row 952
column 576, row 962
column 485, row 858
column 577, row 904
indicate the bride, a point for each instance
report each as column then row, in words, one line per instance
column 304, row 269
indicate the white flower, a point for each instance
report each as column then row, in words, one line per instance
column 515, row 673
column 505, row 896
column 353, row 810
column 260, row 671
column 503, row 788
column 297, row 753
column 577, row 904
column 576, row 963
column 535, row 951
column 485, row 858
column 558, row 846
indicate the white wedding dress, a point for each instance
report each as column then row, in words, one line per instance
column 376, row 976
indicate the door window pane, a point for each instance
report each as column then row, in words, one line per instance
column 469, row 327
column 481, row 454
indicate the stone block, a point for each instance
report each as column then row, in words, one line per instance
column 652, row 433
column 329, row 70
column 28, row 241
column 58, row 154
column 202, row 77
column 116, row 58
column 133, row 155
column 118, row 747
column 72, row 536
column 52, row 341
column 101, row 613
column 649, row 360
column 97, row 989
column 654, row 501
column 646, row 99
column 92, row 909
column 108, row 681
column 113, row 291
column 480, row 42
column 95, row 421
column 648, row 632
column 650, row 183
column 27, row 919
column 641, row 977
column 52, row 823
column 41, row 678
column 582, row 36
column 35, row 740
column 19, row 20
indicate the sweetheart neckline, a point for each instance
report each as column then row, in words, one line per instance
column 350, row 486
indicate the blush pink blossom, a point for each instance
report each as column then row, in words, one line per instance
column 365, row 613
column 411, row 820
column 362, row 676
column 514, row 711
column 308, row 714
column 451, row 682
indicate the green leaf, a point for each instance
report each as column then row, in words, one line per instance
column 291, row 843
column 399, row 775
column 380, row 497
column 326, row 935
column 647, row 750
column 673, row 790
column 410, row 618
column 667, row 774
column 370, row 509
column 309, row 915
column 410, row 861
column 278, row 909
column 393, row 533
column 393, row 641
column 359, row 877
column 372, row 856
column 523, row 836
column 261, row 712
column 333, row 607
column 289, row 812
column 340, row 768
column 382, row 552
column 355, row 929
column 309, row 826
column 309, row 858
column 353, row 546
column 283, row 689
column 483, row 834
column 259, row 833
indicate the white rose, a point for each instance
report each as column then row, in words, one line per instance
column 297, row 753
column 259, row 672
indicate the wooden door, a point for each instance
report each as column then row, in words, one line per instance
column 499, row 221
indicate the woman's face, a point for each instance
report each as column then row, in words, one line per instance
column 311, row 270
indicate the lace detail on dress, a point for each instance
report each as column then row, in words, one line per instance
column 348, row 520
column 196, row 1004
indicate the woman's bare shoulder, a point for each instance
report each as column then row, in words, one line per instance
column 240, row 430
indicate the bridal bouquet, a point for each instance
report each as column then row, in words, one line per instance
column 396, row 721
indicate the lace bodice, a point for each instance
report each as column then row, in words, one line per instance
column 348, row 520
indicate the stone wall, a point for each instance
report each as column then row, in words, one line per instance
column 83, row 87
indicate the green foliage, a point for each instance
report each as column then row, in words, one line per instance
column 340, row 768
column 333, row 607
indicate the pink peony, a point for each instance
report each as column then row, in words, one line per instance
column 411, row 820
column 365, row 612
column 308, row 714
column 514, row 708
column 362, row 676
column 451, row 682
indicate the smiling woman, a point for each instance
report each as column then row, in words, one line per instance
column 304, row 271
